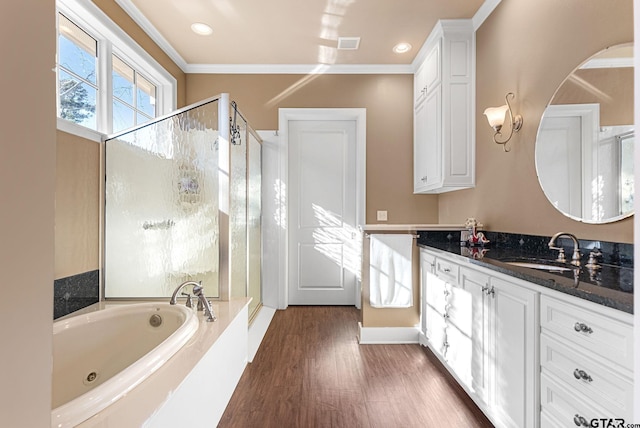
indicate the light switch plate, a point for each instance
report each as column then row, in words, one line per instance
column 381, row 216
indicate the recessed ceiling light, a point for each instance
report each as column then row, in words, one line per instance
column 202, row 29
column 402, row 48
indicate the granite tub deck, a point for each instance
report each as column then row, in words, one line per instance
column 611, row 285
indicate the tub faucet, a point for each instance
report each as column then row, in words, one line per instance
column 575, row 259
column 203, row 303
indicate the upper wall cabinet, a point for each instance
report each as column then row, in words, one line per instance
column 444, row 88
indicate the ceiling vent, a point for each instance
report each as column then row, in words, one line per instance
column 348, row 43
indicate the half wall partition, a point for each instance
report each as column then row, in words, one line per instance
column 177, row 204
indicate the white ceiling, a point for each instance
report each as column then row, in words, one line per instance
column 295, row 34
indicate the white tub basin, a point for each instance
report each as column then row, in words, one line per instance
column 98, row 357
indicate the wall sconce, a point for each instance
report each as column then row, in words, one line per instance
column 496, row 118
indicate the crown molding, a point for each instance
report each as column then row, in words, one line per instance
column 608, row 63
column 483, row 13
column 299, row 69
column 478, row 19
column 152, row 32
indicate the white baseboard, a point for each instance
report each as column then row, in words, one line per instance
column 258, row 329
column 387, row 335
column 422, row 339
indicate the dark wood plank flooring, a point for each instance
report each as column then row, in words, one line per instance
column 310, row 371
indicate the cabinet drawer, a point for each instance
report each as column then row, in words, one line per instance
column 596, row 381
column 595, row 333
column 566, row 406
column 447, row 270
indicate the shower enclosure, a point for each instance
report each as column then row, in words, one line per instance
column 182, row 203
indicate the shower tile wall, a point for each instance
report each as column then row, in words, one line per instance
column 75, row 292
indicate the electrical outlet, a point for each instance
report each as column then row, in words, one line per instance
column 381, row 216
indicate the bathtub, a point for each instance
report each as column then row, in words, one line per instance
column 98, row 357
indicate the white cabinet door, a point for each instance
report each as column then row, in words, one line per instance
column 427, row 155
column 476, row 283
column 436, row 331
column 427, row 76
column 513, row 349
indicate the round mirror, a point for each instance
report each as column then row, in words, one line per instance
column 584, row 148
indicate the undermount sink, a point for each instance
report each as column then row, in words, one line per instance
column 539, row 266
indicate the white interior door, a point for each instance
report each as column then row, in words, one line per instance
column 560, row 145
column 323, row 250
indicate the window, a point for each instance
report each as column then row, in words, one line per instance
column 134, row 97
column 106, row 82
column 77, row 76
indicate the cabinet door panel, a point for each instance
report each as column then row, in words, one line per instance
column 436, row 333
column 513, row 330
column 436, row 293
column 475, row 283
column 432, row 69
column 427, row 162
column 459, row 354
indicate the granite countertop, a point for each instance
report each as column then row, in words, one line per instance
column 611, row 285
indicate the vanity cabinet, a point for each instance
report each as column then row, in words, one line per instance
column 482, row 326
column 527, row 355
column 444, row 143
column 586, row 359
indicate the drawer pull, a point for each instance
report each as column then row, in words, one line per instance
column 446, row 316
column 446, row 292
column 579, row 326
column 446, row 270
column 580, row 420
column 581, row 374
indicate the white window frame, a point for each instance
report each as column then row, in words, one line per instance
column 113, row 40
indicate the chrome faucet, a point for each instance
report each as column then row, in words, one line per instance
column 575, row 259
column 203, row 303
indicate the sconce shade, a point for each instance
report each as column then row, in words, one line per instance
column 495, row 116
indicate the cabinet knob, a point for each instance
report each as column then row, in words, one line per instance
column 582, row 327
column 424, row 178
column 580, row 421
column 446, row 316
column 490, row 291
column 581, row 374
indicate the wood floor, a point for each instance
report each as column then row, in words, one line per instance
column 310, row 371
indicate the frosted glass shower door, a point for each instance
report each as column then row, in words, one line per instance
column 161, row 206
column 254, row 229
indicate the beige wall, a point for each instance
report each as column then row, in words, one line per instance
column 77, row 205
column 124, row 21
column 389, row 103
column 27, row 177
column 529, row 48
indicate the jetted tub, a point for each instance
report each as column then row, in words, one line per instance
column 100, row 356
